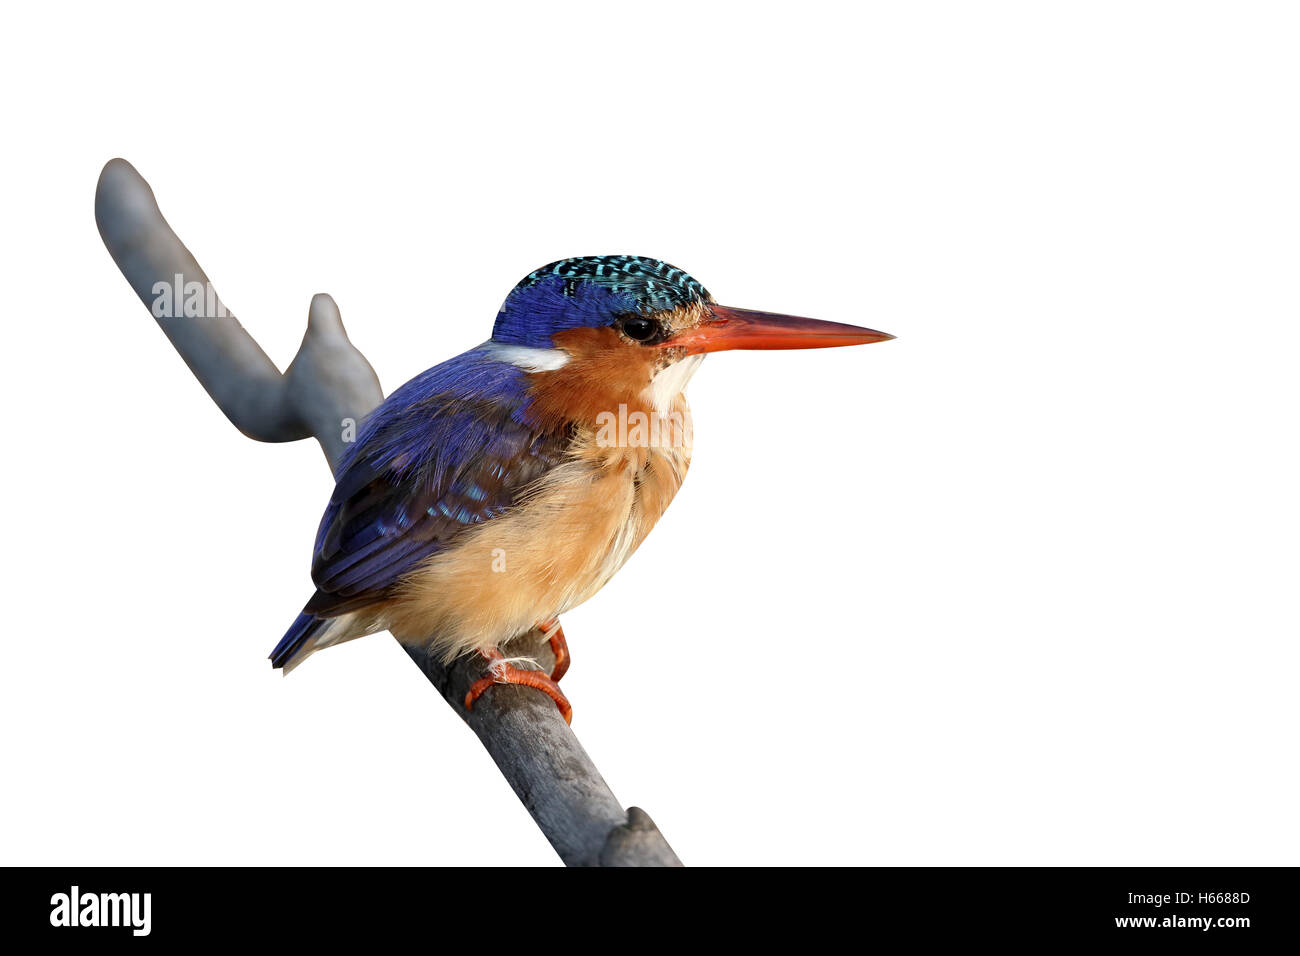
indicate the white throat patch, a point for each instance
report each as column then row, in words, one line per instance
column 671, row 382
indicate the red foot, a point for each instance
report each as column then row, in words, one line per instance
column 503, row 673
column 559, row 647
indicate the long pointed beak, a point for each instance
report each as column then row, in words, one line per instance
column 729, row 328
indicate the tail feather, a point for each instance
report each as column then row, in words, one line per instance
column 310, row 633
column 298, row 642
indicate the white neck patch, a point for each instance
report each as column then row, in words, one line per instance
column 526, row 357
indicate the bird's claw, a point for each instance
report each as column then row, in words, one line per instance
column 501, row 671
column 559, row 647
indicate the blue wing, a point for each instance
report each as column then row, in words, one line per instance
column 449, row 450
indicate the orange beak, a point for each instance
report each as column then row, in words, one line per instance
column 729, row 328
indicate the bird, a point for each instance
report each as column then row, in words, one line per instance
column 497, row 490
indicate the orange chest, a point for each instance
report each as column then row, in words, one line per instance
column 639, row 463
column 578, row 526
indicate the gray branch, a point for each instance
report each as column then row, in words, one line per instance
column 327, row 382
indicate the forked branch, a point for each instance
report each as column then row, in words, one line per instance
column 327, row 382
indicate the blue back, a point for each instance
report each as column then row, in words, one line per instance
column 450, row 449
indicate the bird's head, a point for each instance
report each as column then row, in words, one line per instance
column 623, row 327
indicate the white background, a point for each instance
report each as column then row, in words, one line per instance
column 1018, row 587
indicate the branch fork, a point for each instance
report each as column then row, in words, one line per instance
column 328, row 383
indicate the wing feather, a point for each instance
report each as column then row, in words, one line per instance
column 443, row 455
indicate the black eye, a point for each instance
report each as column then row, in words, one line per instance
column 639, row 329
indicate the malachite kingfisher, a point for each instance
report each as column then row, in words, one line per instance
column 493, row 492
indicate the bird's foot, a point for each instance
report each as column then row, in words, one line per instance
column 501, row 671
column 559, row 647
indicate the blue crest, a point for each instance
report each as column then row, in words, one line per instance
column 590, row 292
